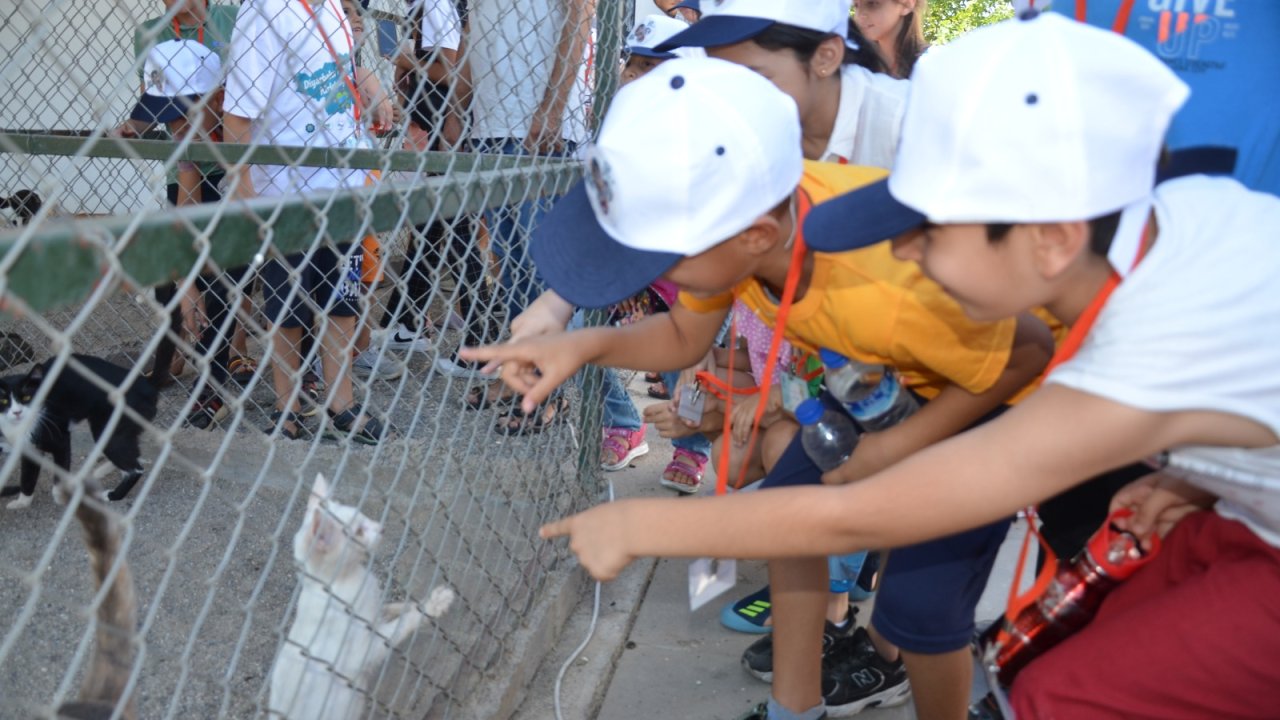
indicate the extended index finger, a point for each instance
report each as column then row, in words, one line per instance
column 555, row 529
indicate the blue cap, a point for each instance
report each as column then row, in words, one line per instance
column 155, row 109
column 582, row 263
column 832, row 359
column 718, row 30
column 857, row 219
column 810, row 411
column 694, row 5
column 651, row 53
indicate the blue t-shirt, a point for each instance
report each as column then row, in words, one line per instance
column 1228, row 51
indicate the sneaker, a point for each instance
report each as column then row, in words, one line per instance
column 761, row 712
column 207, row 411
column 749, row 614
column 624, row 444
column 855, row 677
column 453, row 367
column 757, row 659
column 372, row 366
column 402, row 338
column 451, row 321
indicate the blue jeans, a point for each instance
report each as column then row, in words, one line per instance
column 510, row 227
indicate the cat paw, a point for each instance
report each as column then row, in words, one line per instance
column 118, row 494
column 438, row 601
column 21, row 502
column 60, row 493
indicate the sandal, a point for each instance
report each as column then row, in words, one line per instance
column 517, row 422
column 242, row 369
column 653, row 377
column 343, row 426
column 478, row 398
column 659, row 391
column 687, row 464
column 620, row 446
column 300, row 429
column 311, row 396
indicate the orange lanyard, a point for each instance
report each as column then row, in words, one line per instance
column 798, row 250
column 333, row 52
column 1121, row 22
column 177, row 31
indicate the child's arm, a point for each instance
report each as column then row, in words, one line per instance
column 237, row 129
column 666, row 341
column 1049, row 442
column 378, row 105
column 953, row 410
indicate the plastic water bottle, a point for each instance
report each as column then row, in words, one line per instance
column 827, row 435
column 873, row 394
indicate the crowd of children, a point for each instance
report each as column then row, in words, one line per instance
column 1022, row 187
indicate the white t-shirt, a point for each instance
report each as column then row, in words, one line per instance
column 512, row 47
column 441, row 26
column 869, row 119
column 1196, row 326
column 283, row 76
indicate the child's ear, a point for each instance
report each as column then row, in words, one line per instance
column 763, row 235
column 828, row 58
column 1059, row 246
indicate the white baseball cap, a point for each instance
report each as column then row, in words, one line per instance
column 688, row 156
column 725, row 22
column 653, row 31
column 176, row 73
column 1039, row 119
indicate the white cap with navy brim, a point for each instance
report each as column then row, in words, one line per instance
column 651, row 32
column 726, row 22
column 653, row 196
column 1033, row 120
column 176, row 72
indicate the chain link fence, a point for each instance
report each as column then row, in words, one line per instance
column 297, row 314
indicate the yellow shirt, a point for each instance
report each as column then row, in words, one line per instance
column 870, row 306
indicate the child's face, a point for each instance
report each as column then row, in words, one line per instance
column 638, row 66
column 780, row 67
column 990, row 280
column 879, row 20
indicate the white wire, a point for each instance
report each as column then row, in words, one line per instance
column 595, row 612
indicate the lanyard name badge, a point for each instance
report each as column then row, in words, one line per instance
column 356, row 139
column 711, row 577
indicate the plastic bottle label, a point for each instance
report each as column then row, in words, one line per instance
column 879, row 402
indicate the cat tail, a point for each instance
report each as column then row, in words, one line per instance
column 438, row 601
column 10, row 490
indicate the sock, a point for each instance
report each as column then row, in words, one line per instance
column 843, row 623
column 777, row 712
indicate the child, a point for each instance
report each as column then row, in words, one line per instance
column 1049, row 132
column 896, row 27
column 291, row 81
column 634, row 219
column 183, row 91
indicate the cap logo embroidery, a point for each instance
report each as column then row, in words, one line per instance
column 156, row 79
column 641, row 32
column 600, row 189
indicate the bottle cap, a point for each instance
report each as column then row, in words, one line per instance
column 810, row 411
column 832, row 359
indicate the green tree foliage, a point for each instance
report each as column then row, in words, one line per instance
column 949, row 19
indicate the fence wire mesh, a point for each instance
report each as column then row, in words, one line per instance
column 355, row 190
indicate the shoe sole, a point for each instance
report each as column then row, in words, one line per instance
column 757, row 674
column 891, row 697
column 681, row 488
column 368, row 374
column 453, row 371
column 637, row 451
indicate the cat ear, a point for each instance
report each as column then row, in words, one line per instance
column 36, row 374
column 326, row 531
column 319, row 493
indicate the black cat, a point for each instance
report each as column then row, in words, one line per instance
column 72, row 398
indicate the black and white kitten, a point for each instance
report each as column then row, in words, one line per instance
column 72, row 398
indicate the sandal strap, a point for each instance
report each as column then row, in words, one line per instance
column 688, row 462
column 617, row 441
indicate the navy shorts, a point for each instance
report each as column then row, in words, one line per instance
column 929, row 591
column 326, row 282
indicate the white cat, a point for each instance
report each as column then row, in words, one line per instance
column 342, row 633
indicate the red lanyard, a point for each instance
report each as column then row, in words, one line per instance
column 333, row 52
column 177, row 31
column 798, row 249
column 1121, row 22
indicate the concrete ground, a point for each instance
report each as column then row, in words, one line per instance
column 650, row 657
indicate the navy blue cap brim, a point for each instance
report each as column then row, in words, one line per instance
column 156, row 109
column 717, row 30
column 864, row 217
column 651, row 53
column 578, row 259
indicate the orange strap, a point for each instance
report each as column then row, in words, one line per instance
column 798, row 251
column 333, row 52
column 177, row 31
column 1121, row 22
column 1017, row 603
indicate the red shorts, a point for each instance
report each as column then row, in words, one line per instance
column 1194, row 635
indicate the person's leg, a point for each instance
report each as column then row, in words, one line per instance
column 1194, row 634
column 287, row 317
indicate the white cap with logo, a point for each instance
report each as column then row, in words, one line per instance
column 725, row 22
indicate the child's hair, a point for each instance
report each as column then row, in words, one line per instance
column 911, row 43
column 1102, row 230
column 804, row 43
